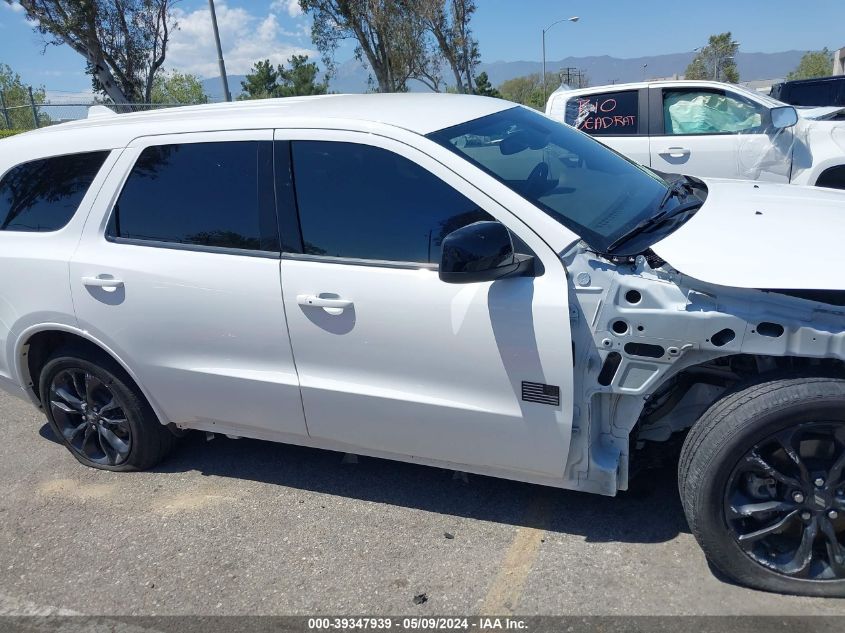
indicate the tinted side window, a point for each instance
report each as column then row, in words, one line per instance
column 368, row 203
column 207, row 194
column 606, row 114
column 43, row 195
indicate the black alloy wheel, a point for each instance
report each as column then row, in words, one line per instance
column 91, row 417
column 785, row 502
column 762, row 481
column 99, row 413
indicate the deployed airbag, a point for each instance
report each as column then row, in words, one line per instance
column 696, row 113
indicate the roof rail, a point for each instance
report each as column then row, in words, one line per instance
column 97, row 111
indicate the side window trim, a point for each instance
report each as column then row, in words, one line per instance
column 196, row 248
column 643, row 114
column 268, row 221
column 267, row 203
column 655, row 112
column 287, row 207
column 356, row 261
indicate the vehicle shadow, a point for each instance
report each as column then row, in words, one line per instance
column 650, row 512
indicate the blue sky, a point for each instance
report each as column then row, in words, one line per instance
column 506, row 29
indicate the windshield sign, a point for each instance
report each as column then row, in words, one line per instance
column 589, row 188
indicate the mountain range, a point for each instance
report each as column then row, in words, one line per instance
column 352, row 76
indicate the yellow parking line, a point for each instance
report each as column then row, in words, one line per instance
column 506, row 589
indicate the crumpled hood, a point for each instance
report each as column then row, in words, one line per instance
column 762, row 235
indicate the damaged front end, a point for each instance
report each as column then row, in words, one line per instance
column 654, row 348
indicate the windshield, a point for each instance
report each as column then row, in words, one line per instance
column 759, row 97
column 589, row 188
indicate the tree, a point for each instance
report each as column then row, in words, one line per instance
column 813, row 64
column 484, row 88
column 175, row 87
column 716, row 60
column 528, row 89
column 400, row 40
column 448, row 22
column 300, row 79
column 697, row 69
column 124, row 42
column 16, row 97
column 261, row 83
column 390, row 37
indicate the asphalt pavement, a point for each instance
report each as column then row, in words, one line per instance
column 249, row 527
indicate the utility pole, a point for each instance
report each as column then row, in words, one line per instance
column 226, row 94
column 572, row 19
column 5, row 111
column 34, row 109
column 572, row 77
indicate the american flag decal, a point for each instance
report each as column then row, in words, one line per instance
column 541, row 393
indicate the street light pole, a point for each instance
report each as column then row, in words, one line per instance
column 716, row 59
column 220, row 63
column 572, row 19
column 716, row 67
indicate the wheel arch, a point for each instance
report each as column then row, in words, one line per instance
column 832, row 177
column 726, row 373
column 36, row 344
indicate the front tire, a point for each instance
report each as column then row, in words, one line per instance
column 99, row 414
column 762, row 481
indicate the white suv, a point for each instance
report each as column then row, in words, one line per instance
column 710, row 129
column 449, row 280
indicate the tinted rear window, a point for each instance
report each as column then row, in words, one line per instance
column 206, row 194
column 606, row 114
column 43, row 195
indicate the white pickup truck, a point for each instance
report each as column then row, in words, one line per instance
column 710, row 129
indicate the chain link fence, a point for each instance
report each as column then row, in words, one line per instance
column 33, row 112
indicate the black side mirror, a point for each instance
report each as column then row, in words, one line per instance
column 482, row 251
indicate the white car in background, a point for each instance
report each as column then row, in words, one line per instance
column 710, row 129
column 442, row 279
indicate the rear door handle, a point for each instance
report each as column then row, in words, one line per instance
column 102, row 281
column 675, row 152
column 322, row 302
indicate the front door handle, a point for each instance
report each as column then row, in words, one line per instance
column 323, row 302
column 675, row 152
column 102, row 281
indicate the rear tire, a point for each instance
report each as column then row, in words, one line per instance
column 99, row 414
column 766, row 517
